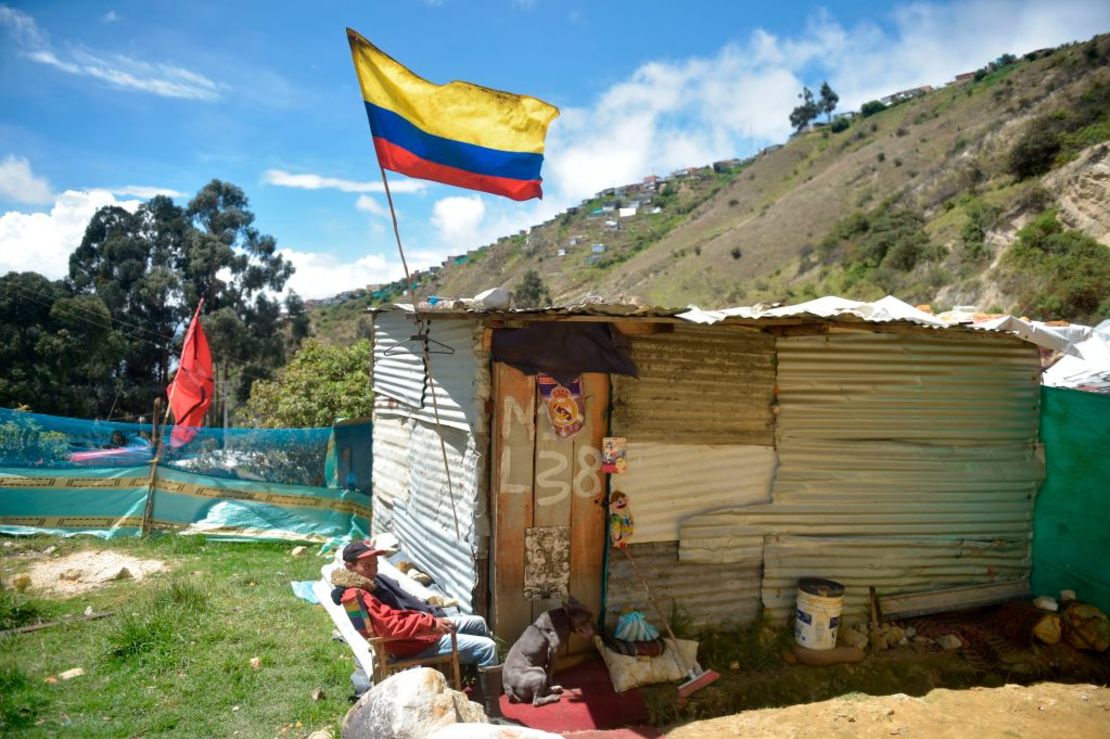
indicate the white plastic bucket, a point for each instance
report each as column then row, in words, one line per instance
column 818, row 612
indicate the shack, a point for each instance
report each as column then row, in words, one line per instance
column 870, row 443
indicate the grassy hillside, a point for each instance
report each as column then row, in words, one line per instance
column 926, row 199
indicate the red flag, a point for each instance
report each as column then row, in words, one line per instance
column 191, row 391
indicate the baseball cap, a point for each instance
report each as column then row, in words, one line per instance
column 358, row 549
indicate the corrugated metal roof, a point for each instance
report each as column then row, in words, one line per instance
column 680, row 371
column 667, row 482
column 891, row 565
column 829, row 308
column 710, row 594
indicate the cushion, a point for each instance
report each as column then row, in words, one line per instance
column 630, row 672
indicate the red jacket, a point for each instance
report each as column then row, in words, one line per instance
column 391, row 622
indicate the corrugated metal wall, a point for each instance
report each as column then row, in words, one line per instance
column 460, row 378
column 889, row 564
column 701, row 433
column 709, row 594
column 905, row 461
column 667, row 482
column 698, row 385
column 411, row 495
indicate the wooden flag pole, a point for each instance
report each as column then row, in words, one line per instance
column 427, row 358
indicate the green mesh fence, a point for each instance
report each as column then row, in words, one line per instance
column 1071, row 549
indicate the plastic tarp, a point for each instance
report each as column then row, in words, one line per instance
column 1070, row 545
column 70, row 476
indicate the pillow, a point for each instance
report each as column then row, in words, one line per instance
column 630, row 672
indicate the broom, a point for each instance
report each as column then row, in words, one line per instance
column 697, row 677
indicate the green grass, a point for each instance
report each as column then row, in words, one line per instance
column 174, row 660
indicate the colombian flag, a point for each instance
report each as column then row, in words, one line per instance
column 459, row 134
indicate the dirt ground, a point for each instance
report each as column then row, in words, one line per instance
column 1042, row 710
column 79, row 572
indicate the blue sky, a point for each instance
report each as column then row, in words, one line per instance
column 110, row 103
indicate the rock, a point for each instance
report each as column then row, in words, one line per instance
column 318, row 694
column 1085, row 627
column 72, row 574
column 122, row 574
column 1048, row 629
column 911, row 632
column 321, row 734
column 734, row 665
column 1045, row 603
column 853, row 638
column 49, row 550
column 50, row 680
column 298, row 551
column 21, row 582
column 1067, row 596
column 950, row 642
column 70, row 674
column 256, row 663
column 409, row 705
column 895, row 634
column 489, row 731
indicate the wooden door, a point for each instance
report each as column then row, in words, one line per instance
column 545, row 489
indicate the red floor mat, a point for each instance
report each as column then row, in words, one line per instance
column 589, row 702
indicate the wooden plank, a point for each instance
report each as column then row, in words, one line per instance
column 587, row 533
column 907, row 605
column 512, row 484
column 553, row 484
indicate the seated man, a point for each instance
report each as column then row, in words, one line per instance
column 426, row 633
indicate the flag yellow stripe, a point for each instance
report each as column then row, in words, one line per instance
column 457, row 110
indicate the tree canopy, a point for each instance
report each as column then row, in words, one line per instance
column 103, row 341
column 320, row 384
column 531, row 292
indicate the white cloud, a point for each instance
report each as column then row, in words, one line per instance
column 457, row 220
column 146, row 192
column 42, row 242
column 323, row 275
column 110, row 17
column 116, row 70
column 309, row 181
column 19, row 184
column 369, row 205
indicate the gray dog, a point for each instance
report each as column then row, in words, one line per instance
column 530, row 663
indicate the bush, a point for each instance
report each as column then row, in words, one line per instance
column 1036, row 150
column 871, row 107
column 839, row 124
column 1063, row 273
column 736, row 253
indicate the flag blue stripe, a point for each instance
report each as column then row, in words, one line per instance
column 400, row 132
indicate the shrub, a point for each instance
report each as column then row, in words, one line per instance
column 736, row 253
column 1036, row 150
column 839, row 124
column 871, row 107
column 1065, row 273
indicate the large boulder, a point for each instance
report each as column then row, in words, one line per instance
column 410, row 705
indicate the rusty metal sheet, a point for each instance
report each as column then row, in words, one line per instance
column 706, row 385
column 708, row 594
